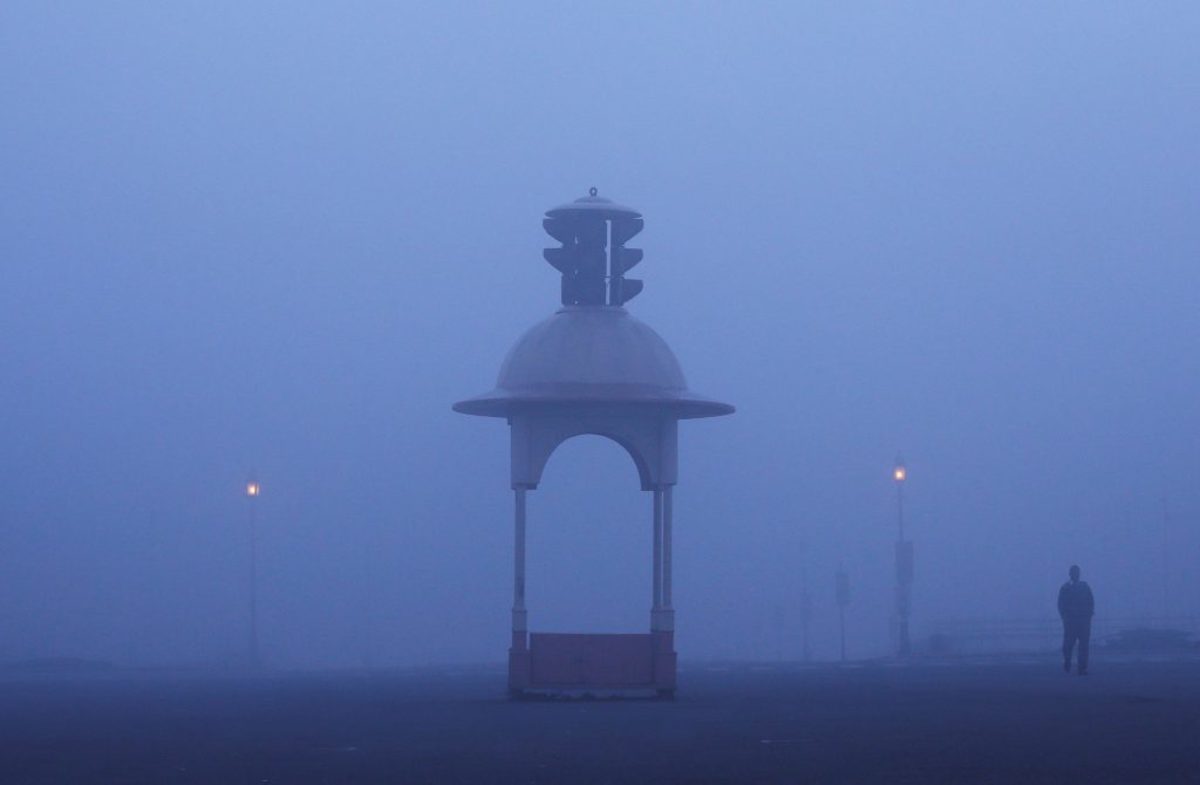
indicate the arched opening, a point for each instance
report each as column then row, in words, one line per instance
column 589, row 541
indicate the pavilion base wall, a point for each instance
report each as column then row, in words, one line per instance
column 593, row 665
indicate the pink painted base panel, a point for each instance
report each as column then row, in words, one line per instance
column 595, row 664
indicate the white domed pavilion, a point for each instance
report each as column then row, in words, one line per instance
column 592, row 368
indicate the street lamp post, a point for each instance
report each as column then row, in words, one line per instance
column 904, row 563
column 842, row 592
column 805, row 604
column 253, row 489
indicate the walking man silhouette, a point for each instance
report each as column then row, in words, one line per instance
column 1075, row 606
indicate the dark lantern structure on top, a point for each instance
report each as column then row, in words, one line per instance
column 593, row 258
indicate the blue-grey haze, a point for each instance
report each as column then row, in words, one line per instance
column 285, row 237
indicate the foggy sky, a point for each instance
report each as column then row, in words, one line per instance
column 284, row 238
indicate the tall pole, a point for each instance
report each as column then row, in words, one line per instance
column 805, row 605
column 903, row 563
column 842, row 626
column 1166, row 559
column 842, row 592
column 253, row 489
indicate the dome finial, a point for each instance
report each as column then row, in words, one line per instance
column 592, row 191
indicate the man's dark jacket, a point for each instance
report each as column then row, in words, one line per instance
column 1075, row 601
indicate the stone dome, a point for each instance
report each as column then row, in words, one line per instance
column 591, row 355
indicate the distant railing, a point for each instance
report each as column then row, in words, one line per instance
column 1014, row 636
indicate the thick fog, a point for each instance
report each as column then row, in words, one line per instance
column 281, row 239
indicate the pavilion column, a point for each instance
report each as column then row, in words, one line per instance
column 519, row 673
column 662, row 618
column 657, row 573
column 519, row 614
column 667, row 516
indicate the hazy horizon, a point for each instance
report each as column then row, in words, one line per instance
column 283, row 239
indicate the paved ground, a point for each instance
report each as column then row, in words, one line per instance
column 930, row 723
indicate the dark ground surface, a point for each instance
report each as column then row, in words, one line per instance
column 921, row 723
